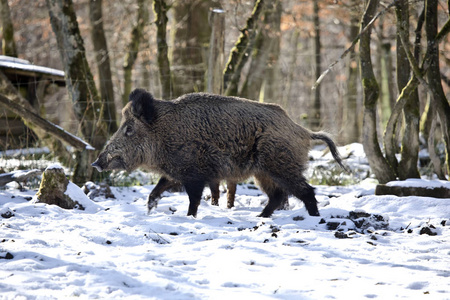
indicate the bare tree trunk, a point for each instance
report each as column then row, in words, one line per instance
column 351, row 124
column 264, row 59
column 251, row 87
column 434, row 75
column 160, row 9
column 146, row 53
column 435, row 160
column 315, row 114
column 241, row 51
column 133, row 50
column 80, row 84
column 8, row 43
column 287, row 94
column 190, row 38
column 103, row 64
column 377, row 162
column 271, row 75
column 407, row 167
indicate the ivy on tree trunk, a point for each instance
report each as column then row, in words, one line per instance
column 240, row 52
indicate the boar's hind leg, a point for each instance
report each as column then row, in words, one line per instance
column 284, row 203
column 231, row 193
column 276, row 194
column 194, row 189
column 303, row 191
column 163, row 185
column 297, row 186
column 214, row 186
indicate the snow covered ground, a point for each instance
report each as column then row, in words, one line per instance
column 362, row 246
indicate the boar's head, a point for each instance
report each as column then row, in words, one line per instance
column 127, row 148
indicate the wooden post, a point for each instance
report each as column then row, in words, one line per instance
column 216, row 52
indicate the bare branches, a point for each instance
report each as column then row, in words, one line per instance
column 354, row 42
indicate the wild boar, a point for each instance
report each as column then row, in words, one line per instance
column 201, row 138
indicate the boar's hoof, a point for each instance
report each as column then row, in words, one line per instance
column 193, row 213
column 313, row 212
column 152, row 203
column 264, row 215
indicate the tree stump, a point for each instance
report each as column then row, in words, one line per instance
column 53, row 189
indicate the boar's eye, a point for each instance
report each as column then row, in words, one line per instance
column 128, row 130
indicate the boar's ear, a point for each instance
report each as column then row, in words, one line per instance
column 142, row 105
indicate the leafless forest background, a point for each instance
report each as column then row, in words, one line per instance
column 289, row 67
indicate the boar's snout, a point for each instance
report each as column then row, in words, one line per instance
column 96, row 165
column 106, row 162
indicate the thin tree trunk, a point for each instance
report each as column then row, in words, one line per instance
column 146, row 53
column 377, row 162
column 434, row 158
column 287, row 94
column 272, row 73
column 434, row 75
column 80, row 84
column 160, row 9
column 407, row 167
column 264, row 58
column 103, row 64
column 315, row 114
column 351, row 128
column 241, row 51
column 251, row 87
column 8, row 43
column 133, row 50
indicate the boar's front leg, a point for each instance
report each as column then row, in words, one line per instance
column 194, row 189
column 163, row 185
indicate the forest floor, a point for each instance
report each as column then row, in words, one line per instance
column 362, row 245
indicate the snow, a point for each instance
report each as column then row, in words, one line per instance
column 115, row 250
column 28, row 151
column 54, row 166
column 412, row 182
column 22, row 64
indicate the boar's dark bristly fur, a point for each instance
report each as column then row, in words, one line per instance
column 200, row 139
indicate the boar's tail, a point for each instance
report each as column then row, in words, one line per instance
column 324, row 137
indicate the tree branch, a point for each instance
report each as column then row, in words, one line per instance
column 51, row 128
